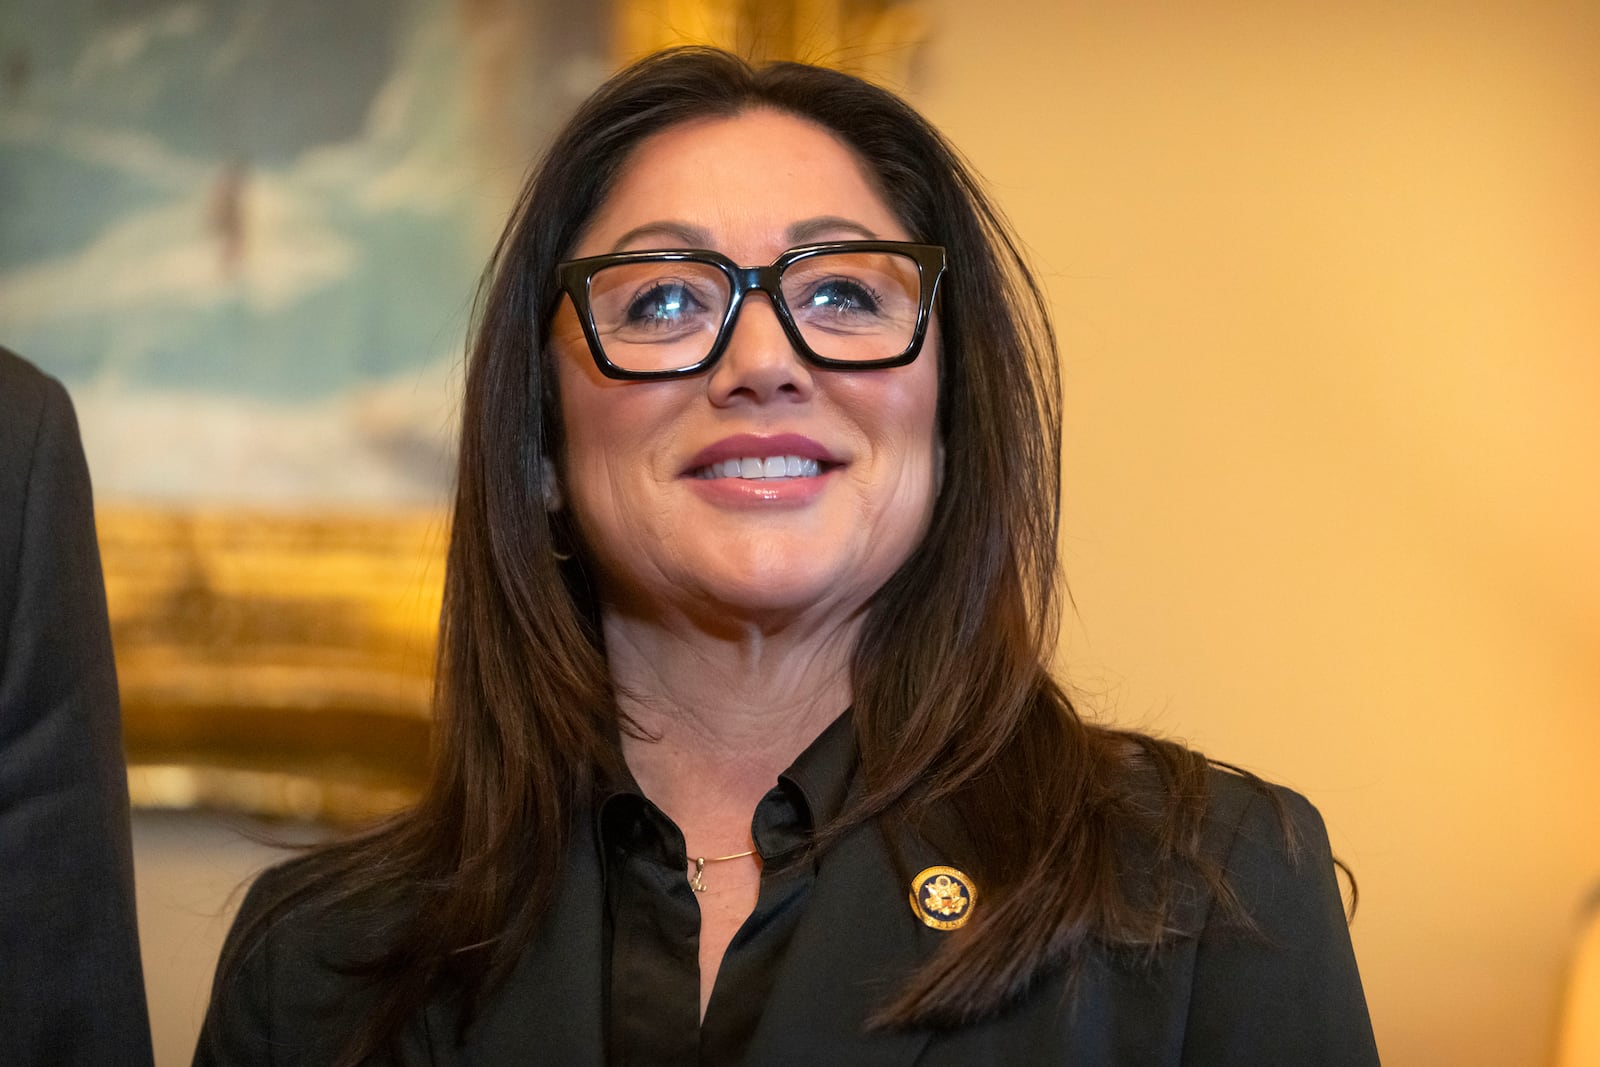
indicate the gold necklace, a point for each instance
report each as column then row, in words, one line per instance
column 697, row 880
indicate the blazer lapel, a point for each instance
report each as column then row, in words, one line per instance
column 854, row 949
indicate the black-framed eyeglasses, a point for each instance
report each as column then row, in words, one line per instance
column 846, row 305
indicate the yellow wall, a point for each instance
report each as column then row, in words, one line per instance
column 1327, row 279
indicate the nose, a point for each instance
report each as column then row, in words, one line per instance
column 759, row 364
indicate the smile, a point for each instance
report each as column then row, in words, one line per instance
column 759, row 467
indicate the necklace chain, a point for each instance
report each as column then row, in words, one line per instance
column 697, row 880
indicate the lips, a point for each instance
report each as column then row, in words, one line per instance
column 756, row 457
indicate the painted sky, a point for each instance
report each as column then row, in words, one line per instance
column 246, row 236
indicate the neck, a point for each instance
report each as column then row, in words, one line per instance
column 718, row 716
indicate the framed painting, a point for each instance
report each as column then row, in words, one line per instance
column 246, row 235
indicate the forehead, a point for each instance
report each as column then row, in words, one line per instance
column 745, row 182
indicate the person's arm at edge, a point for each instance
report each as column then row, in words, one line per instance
column 73, row 990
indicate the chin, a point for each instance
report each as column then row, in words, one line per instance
column 782, row 590
column 786, row 597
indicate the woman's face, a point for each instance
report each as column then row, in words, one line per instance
column 666, row 537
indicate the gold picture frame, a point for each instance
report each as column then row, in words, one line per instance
column 874, row 39
column 279, row 664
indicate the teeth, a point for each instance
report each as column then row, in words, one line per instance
column 754, row 467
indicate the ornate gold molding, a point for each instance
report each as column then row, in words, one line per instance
column 876, row 39
column 275, row 663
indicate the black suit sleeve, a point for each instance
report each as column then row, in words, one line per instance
column 1287, row 991
column 71, row 989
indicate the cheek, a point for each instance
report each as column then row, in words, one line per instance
column 614, row 460
column 922, row 417
column 900, row 415
column 918, row 407
column 594, row 408
column 588, row 403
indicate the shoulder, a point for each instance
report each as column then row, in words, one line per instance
column 288, row 982
column 42, row 470
column 297, row 926
column 29, row 400
column 1253, row 824
column 52, row 600
column 1268, row 850
column 1186, row 805
column 1274, row 975
column 18, row 377
column 275, row 919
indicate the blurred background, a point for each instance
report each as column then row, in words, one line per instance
column 1327, row 285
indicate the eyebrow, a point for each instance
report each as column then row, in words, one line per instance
column 678, row 233
column 686, row 235
column 811, row 229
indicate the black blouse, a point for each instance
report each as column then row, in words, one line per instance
column 652, row 921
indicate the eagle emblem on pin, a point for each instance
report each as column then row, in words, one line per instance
column 942, row 897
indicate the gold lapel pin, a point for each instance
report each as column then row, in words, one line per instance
column 942, row 897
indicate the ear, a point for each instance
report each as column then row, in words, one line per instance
column 938, row 467
column 549, row 485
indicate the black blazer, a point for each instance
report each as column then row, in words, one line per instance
column 1287, row 994
column 71, row 991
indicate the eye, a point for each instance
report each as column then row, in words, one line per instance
column 843, row 296
column 664, row 303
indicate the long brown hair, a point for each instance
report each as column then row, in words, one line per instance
column 952, row 699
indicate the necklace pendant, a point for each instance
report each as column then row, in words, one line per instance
column 697, row 880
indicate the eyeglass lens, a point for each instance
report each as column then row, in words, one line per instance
column 655, row 315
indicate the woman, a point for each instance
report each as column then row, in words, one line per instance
column 746, row 747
